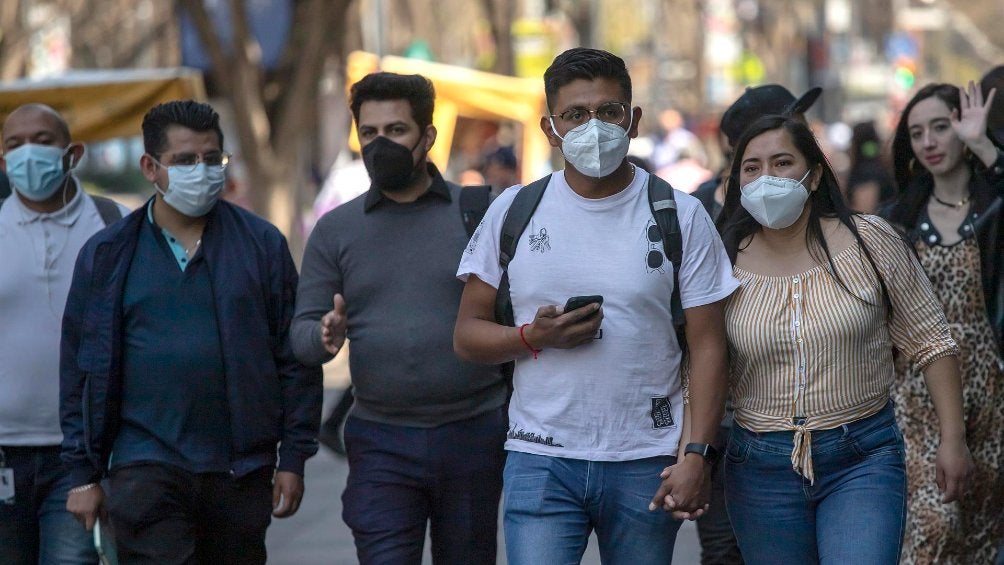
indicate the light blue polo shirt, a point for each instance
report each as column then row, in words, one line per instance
column 180, row 255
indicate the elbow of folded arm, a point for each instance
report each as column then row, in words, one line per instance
column 461, row 346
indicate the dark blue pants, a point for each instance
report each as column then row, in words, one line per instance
column 164, row 515
column 36, row 528
column 403, row 478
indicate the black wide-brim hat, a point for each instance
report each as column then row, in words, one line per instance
column 761, row 101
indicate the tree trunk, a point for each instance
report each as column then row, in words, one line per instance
column 500, row 14
column 272, row 146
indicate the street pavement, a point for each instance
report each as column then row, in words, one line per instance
column 316, row 534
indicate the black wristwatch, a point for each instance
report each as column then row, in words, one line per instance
column 709, row 453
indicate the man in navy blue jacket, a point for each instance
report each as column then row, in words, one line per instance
column 178, row 381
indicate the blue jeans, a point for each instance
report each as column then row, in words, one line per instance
column 37, row 528
column 402, row 478
column 552, row 504
column 853, row 514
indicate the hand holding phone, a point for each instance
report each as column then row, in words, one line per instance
column 576, row 302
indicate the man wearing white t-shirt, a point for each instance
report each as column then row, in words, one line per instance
column 596, row 415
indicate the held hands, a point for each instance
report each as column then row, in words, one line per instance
column 954, row 466
column 685, row 489
column 552, row 328
column 333, row 326
column 86, row 505
column 970, row 121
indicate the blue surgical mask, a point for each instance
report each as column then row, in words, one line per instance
column 193, row 191
column 36, row 171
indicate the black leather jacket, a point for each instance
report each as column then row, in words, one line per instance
column 985, row 224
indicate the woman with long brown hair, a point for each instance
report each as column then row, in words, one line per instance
column 950, row 176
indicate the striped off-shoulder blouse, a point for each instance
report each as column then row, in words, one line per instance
column 806, row 354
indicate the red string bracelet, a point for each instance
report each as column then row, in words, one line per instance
column 527, row 343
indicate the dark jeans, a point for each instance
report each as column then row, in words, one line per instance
column 718, row 541
column 401, row 478
column 36, row 528
column 164, row 515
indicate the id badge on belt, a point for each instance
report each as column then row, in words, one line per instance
column 6, row 481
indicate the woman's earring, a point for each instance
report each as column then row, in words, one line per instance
column 911, row 165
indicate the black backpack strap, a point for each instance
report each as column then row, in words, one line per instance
column 516, row 219
column 107, row 209
column 663, row 204
column 474, row 202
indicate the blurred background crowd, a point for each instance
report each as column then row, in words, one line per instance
column 279, row 75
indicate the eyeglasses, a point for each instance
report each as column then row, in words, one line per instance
column 655, row 257
column 186, row 162
column 609, row 112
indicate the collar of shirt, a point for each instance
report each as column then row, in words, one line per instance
column 930, row 234
column 65, row 216
column 179, row 251
column 437, row 188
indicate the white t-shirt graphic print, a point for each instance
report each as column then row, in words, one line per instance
column 619, row 397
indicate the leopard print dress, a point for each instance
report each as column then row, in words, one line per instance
column 967, row 531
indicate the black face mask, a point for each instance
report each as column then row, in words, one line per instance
column 390, row 165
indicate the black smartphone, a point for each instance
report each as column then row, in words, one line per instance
column 576, row 302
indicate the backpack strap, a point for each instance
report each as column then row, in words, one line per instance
column 663, row 204
column 474, row 202
column 107, row 209
column 516, row 219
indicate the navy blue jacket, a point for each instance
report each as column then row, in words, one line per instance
column 274, row 400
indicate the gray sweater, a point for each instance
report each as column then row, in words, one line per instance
column 395, row 265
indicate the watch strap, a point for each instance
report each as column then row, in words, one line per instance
column 707, row 451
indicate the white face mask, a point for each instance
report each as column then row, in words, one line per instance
column 595, row 148
column 194, row 192
column 775, row 202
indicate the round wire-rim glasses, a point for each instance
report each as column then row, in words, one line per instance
column 610, row 112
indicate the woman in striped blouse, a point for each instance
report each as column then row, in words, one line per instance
column 815, row 468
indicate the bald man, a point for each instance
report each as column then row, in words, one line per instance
column 43, row 224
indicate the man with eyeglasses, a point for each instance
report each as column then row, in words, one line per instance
column 43, row 225
column 178, row 381
column 596, row 419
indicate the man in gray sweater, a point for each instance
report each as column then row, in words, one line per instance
column 425, row 437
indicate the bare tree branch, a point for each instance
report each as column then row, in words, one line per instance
column 210, row 41
column 325, row 15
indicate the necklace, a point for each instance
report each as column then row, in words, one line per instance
column 957, row 205
column 191, row 250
